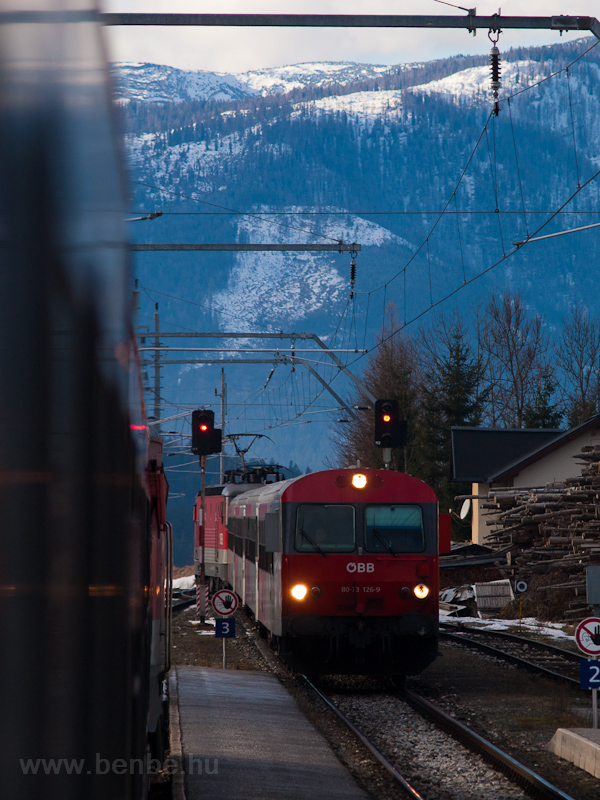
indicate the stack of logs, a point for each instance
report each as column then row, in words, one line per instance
column 552, row 529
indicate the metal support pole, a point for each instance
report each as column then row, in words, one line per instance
column 387, row 457
column 223, row 408
column 202, row 537
column 469, row 22
column 595, row 709
column 324, row 383
column 224, row 652
column 244, row 248
column 345, row 370
column 156, row 371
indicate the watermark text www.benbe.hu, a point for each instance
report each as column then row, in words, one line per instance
column 192, row 765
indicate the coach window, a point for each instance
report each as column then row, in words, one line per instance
column 394, row 529
column 325, row 529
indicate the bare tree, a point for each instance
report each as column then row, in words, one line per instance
column 391, row 372
column 514, row 345
column 578, row 356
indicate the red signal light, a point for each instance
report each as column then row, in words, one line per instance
column 203, row 427
column 386, row 418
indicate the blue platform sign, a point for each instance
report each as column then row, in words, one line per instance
column 589, row 674
column 225, row 628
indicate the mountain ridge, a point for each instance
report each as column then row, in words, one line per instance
column 374, row 161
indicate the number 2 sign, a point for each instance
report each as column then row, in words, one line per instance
column 589, row 674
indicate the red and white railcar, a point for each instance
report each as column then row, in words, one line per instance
column 341, row 569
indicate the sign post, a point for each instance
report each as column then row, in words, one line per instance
column 225, row 603
column 592, row 580
column 587, row 637
column 520, row 588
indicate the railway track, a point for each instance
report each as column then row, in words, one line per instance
column 387, row 765
column 518, row 774
column 540, row 657
column 183, row 599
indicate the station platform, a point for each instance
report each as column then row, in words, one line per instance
column 580, row 746
column 239, row 735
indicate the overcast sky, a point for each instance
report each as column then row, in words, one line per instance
column 240, row 49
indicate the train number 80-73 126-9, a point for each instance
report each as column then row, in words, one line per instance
column 368, row 589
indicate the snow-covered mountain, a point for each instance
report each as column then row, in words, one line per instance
column 369, row 154
column 155, row 83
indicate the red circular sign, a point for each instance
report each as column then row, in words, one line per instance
column 224, row 602
column 587, row 636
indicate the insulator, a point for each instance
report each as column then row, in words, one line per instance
column 495, row 64
column 352, row 271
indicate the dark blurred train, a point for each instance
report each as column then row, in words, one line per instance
column 339, row 567
column 84, row 579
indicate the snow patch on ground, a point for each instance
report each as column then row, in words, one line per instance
column 553, row 630
column 184, row 583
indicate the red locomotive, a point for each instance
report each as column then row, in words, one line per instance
column 216, row 502
column 340, row 568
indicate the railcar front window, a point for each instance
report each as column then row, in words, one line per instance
column 325, row 529
column 394, row 529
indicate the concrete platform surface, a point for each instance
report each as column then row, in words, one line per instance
column 244, row 738
column 581, row 746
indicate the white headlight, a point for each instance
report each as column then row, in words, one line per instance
column 299, row 591
column 421, row 591
column 359, row 481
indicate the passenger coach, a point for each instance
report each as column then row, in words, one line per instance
column 341, row 569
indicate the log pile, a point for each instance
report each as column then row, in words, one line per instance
column 552, row 529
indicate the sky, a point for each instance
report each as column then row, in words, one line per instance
column 242, row 49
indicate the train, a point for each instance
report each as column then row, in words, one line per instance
column 85, row 569
column 339, row 568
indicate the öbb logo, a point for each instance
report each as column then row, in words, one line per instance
column 360, row 567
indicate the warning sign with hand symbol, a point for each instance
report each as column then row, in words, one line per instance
column 587, row 636
column 224, row 602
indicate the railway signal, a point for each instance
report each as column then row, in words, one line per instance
column 390, row 429
column 206, row 439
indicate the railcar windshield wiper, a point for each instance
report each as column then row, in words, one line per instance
column 311, row 541
column 384, row 542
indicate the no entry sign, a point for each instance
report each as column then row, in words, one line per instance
column 587, row 636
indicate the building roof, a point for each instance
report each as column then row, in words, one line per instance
column 513, row 468
column 488, row 455
column 480, row 453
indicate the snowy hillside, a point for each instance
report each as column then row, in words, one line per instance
column 266, row 287
column 474, row 83
column 155, row 83
column 369, row 154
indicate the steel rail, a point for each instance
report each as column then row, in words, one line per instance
column 521, row 662
column 402, row 782
column 183, row 602
column 570, row 655
column 519, row 773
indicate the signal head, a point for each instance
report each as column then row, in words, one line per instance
column 390, row 429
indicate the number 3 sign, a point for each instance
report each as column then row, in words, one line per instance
column 225, row 628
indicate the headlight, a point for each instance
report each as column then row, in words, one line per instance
column 421, row 591
column 359, row 481
column 299, row 591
